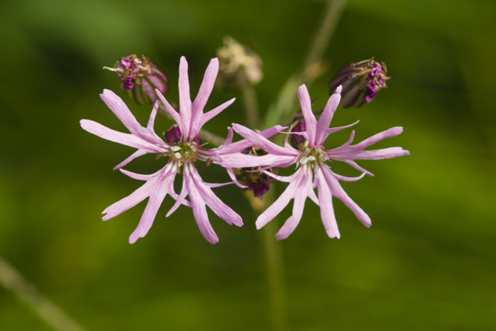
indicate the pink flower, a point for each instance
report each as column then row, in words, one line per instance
column 182, row 152
column 311, row 159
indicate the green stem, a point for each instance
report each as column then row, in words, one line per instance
column 323, row 36
column 251, row 106
column 272, row 248
column 274, row 262
column 276, row 277
column 12, row 280
column 283, row 108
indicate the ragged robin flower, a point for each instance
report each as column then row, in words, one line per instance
column 313, row 171
column 360, row 81
column 181, row 146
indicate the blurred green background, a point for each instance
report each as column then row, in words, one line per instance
column 427, row 262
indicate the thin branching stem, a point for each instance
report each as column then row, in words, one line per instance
column 12, row 280
column 251, row 106
column 283, row 108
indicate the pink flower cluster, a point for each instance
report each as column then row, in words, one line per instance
column 312, row 170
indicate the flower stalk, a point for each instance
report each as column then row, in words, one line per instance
column 12, row 280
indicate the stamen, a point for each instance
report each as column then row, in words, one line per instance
column 114, row 69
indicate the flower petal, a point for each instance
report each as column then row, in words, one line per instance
column 146, row 221
column 238, row 146
column 180, row 199
column 153, row 114
column 231, row 174
column 257, row 139
column 306, row 109
column 214, row 112
column 203, row 94
column 120, row 110
column 133, row 156
column 300, row 197
column 199, row 210
column 339, row 193
column 184, row 97
column 213, row 202
column 249, row 161
column 326, row 117
column 119, row 137
column 378, row 154
column 130, row 201
column 378, row 137
column 175, row 115
column 326, row 208
column 283, row 200
column 348, row 179
column 336, row 129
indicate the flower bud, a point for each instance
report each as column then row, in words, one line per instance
column 173, row 136
column 140, row 78
column 257, row 181
column 361, row 81
column 238, row 65
column 296, row 139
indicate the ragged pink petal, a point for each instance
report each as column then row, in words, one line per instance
column 180, row 199
column 162, row 178
column 120, row 109
column 326, row 208
column 203, row 94
column 199, row 209
column 213, row 202
column 184, row 97
column 285, row 179
column 249, row 161
column 153, row 115
column 175, row 115
column 393, row 132
column 228, row 147
column 146, row 221
column 339, row 193
column 357, row 167
column 348, row 179
column 326, row 117
column 257, row 139
column 339, row 128
column 136, row 176
column 300, row 196
column 306, row 109
column 133, row 156
column 283, row 200
column 377, row 154
column 211, row 114
column 121, row 138
column 231, row 174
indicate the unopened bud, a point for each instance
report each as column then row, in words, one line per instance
column 173, row 136
column 296, row 139
column 140, row 78
column 257, row 181
column 361, row 81
column 239, row 65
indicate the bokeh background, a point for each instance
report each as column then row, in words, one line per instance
column 427, row 262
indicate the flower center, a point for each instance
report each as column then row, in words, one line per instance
column 185, row 151
column 313, row 156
